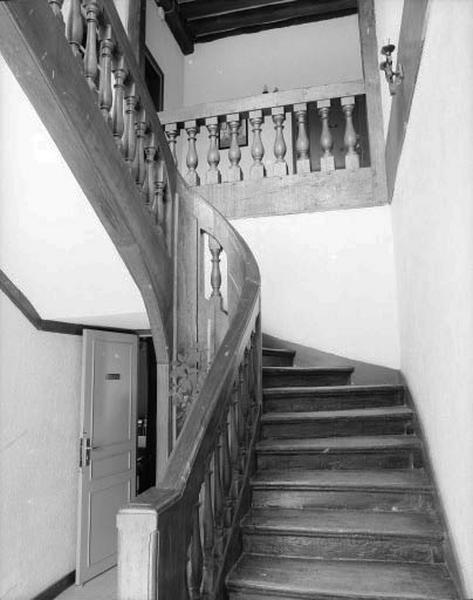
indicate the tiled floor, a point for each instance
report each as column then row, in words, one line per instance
column 103, row 587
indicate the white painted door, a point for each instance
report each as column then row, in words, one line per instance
column 107, row 462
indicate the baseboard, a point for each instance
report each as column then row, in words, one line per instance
column 451, row 557
column 57, row 588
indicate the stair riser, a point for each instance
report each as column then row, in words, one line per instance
column 392, row 459
column 344, row 547
column 245, row 595
column 335, row 428
column 278, row 361
column 305, row 380
column 347, row 500
column 312, row 403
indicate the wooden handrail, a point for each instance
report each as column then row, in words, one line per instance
column 112, row 139
column 285, row 98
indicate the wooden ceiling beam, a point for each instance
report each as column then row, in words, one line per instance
column 201, row 9
column 177, row 24
column 270, row 16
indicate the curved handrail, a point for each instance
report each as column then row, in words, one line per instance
column 152, row 216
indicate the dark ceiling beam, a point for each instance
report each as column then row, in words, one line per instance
column 177, row 25
column 270, row 16
column 201, row 9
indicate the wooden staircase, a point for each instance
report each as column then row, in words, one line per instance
column 341, row 505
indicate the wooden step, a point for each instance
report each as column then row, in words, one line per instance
column 387, row 490
column 259, row 577
column 354, row 452
column 293, row 399
column 343, row 534
column 305, row 376
column 359, row 421
column 278, row 357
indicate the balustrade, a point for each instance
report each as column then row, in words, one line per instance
column 91, row 29
column 310, row 146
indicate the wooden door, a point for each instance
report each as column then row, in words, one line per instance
column 107, row 462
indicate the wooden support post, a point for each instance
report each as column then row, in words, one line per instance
column 370, row 61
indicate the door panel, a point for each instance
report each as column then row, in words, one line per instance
column 108, row 446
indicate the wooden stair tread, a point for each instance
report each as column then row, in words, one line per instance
column 342, row 522
column 415, row 479
column 306, row 370
column 337, row 579
column 394, row 412
column 278, row 352
column 362, row 443
column 331, row 390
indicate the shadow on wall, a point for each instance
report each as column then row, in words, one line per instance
column 365, row 373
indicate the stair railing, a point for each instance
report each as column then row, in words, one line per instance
column 195, row 272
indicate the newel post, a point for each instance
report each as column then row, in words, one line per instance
column 138, row 538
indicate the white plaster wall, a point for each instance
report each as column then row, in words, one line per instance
column 328, row 281
column 168, row 55
column 52, row 244
column 433, row 224
column 289, row 57
column 40, row 376
column 388, row 24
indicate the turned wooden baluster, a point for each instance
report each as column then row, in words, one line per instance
column 90, row 56
column 216, row 273
column 129, row 135
column 247, row 399
column 105, row 81
column 160, row 207
column 218, row 502
column 75, row 27
column 257, row 170
column 234, row 152
column 192, row 160
column 196, row 558
column 172, row 133
column 139, row 168
column 234, row 444
column 226, row 474
column 241, row 424
column 208, row 527
column 56, row 7
column 149, row 184
column 280, row 166
column 327, row 161
column 302, row 140
column 352, row 160
column 213, row 174
column 118, row 123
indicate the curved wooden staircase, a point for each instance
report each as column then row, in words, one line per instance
column 341, row 505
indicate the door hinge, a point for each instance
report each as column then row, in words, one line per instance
column 81, row 449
